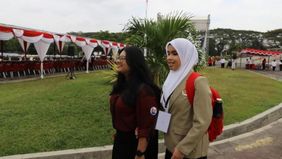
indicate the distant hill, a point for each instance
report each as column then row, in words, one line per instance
column 229, row 41
column 104, row 35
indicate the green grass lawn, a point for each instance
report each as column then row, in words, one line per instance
column 56, row 114
column 244, row 93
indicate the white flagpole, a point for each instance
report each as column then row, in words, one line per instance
column 145, row 35
column 146, row 9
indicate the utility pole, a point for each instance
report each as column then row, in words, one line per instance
column 2, row 49
column 206, row 38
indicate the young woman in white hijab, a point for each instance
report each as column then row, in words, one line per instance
column 186, row 135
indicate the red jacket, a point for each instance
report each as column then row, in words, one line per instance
column 143, row 116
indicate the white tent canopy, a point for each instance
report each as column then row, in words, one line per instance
column 42, row 47
column 42, row 41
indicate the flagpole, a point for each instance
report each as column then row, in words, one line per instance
column 145, row 35
column 146, row 11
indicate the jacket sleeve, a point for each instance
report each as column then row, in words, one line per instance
column 146, row 112
column 202, row 114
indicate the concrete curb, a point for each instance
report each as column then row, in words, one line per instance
column 253, row 123
column 248, row 134
column 104, row 152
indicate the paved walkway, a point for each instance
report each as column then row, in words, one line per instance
column 263, row 143
column 277, row 75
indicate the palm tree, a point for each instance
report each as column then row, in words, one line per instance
column 154, row 35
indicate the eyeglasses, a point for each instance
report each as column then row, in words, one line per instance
column 121, row 58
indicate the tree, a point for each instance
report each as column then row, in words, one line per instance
column 155, row 34
column 212, row 51
column 257, row 44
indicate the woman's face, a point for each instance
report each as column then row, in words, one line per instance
column 122, row 66
column 172, row 59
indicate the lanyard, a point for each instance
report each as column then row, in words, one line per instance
column 166, row 102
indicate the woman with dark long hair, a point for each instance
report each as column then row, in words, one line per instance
column 134, row 103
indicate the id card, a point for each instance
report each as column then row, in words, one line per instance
column 163, row 121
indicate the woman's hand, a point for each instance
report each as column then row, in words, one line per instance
column 136, row 133
column 177, row 154
column 141, row 157
column 113, row 137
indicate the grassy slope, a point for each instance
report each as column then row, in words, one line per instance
column 245, row 93
column 53, row 114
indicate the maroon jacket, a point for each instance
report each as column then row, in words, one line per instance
column 143, row 116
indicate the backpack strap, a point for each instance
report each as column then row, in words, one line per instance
column 215, row 93
column 190, row 86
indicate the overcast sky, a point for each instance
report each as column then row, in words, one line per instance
column 94, row 15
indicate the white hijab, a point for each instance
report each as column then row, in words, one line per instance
column 188, row 55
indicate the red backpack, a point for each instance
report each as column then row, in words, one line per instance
column 216, row 125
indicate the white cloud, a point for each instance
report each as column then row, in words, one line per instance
column 93, row 15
